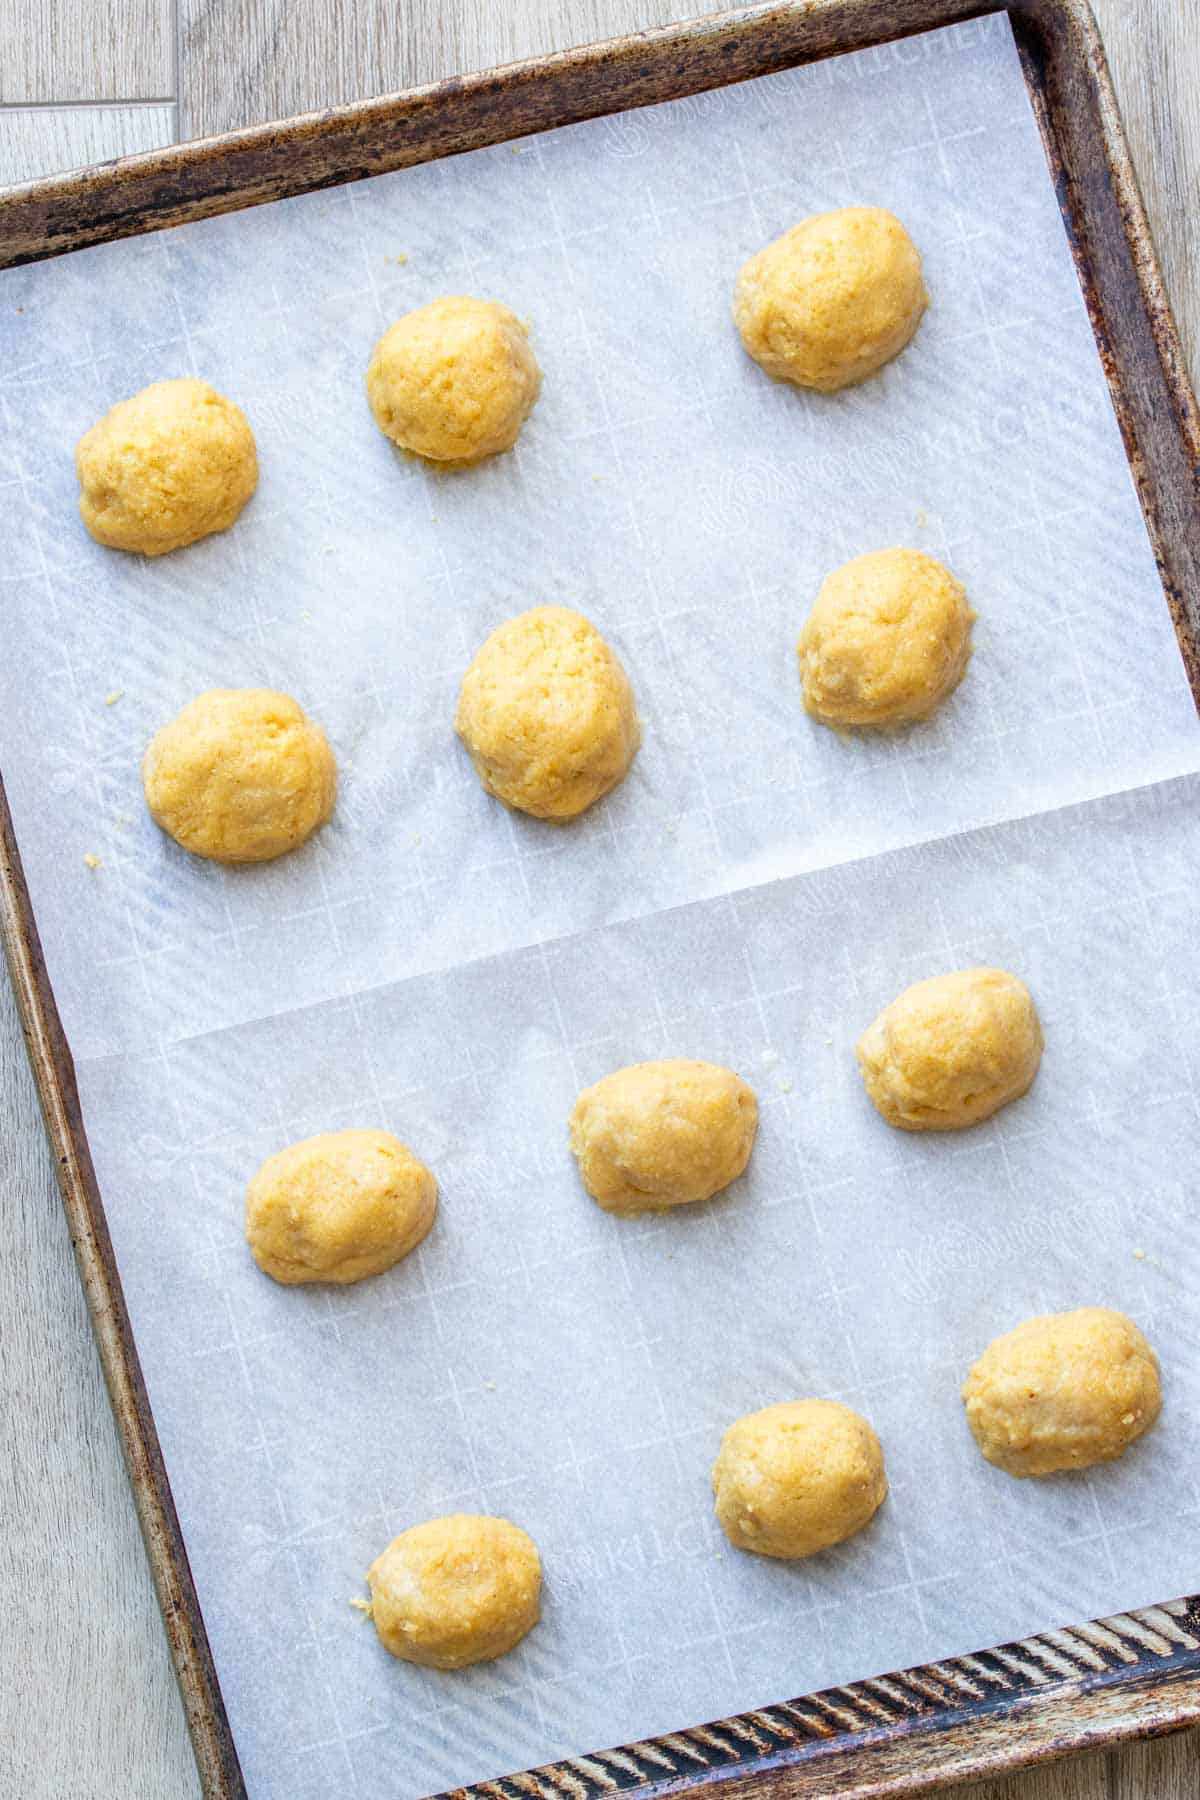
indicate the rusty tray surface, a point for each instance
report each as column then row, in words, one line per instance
column 1047, row 1696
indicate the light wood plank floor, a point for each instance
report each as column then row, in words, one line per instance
column 88, row 1710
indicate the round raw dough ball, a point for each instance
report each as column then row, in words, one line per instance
column 661, row 1134
column 547, row 714
column 798, row 1477
column 171, row 465
column 338, row 1207
column 1063, row 1391
column 833, row 299
column 240, row 775
column 952, row 1050
column 888, row 637
column 454, row 381
column 455, row 1591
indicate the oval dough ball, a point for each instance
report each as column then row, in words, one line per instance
column 952, row 1050
column 547, row 714
column 661, row 1134
column 455, row 1591
column 833, row 299
column 171, row 465
column 1063, row 1391
column 338, row 1207
column 889, row 636
column 240, row 775
column 798, row 1477
column 454, row 381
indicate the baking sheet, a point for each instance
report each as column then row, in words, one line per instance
column 753, row 892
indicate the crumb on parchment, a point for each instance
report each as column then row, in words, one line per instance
column 117, row 694
column 93, row 862
column 362, row 1606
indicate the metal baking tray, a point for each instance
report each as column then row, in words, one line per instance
column 1083, row 1687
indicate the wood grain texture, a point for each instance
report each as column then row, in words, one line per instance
column 41, row 140
column 1154, row 54
column 56, row 50
column 94, row 1713
column 250, row 60
column 89, row 1706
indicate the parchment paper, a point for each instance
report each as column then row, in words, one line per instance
column 752, row 893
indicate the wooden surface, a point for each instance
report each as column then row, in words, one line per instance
column 87, row 1708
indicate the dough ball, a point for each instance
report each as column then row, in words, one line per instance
column 240, row 775
column 662, row 1134
column 165, row 468
column 833, row 299
column 454, row 381
column 547, row 714
column 338, row 1207
column 455, row 1591
column 1063, row 1391
column 798, row 1477
column 889, row 636
column 952, row 1050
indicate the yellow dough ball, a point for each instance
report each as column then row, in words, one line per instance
column 454, row 381
column 171, row 465
column 795, row 1478
column 240, row 775
column 952, row 1050
column 661, row 1134
column 833, row 299
column 1063, row 1391
column 547, row 714
column 456, row 1591
column 338, row 1207
column 888, row 637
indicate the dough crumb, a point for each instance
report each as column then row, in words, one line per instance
column 93, row 862
column 784, row 1085
column 362, row 1606
column 1139, row 1255
column 111, row 699
column 922, row 519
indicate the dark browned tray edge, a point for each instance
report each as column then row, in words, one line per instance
column 54, row 1075
column 1048, row 1696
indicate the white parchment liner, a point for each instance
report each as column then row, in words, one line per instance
column 753, row 892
